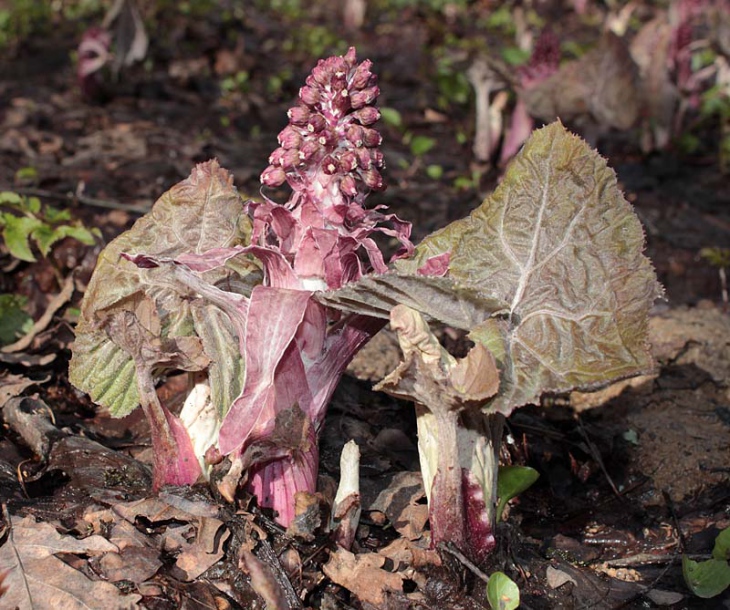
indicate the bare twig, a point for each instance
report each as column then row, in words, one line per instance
column 596, row 455
column 454, row 552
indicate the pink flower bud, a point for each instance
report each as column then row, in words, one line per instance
column 372, row 178
column 348, row 186
column 330, row 166
column 308, row 149
column 309, row 96
column 275, row 157
column 348, row 161
column 340, row 103
column 298, row 115
column 290, row 159
column 351, row 57
column 371, row 138
column 358, row 99
column 316, row 123
column 362, row 75
column 273, row 176
column 377, row 158
column 367, row 115
column 364, row 160
column 340, row 69
column 355, row 135
column 289, row 138
column 327, row 138
column 322, row 73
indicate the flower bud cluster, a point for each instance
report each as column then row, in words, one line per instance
column 330, row 131
column 544, row 61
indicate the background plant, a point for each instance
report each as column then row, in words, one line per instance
column 27, row 225
column 29, row 229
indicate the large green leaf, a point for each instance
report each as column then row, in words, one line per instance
column 559, row 243
column 560, row 249
column 204, row 211
column 706, row 578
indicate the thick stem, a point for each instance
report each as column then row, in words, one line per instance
column 175, row 462
column 447, row 511
column 484, row 434
column 460, row 463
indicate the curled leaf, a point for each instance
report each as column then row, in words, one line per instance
column 456, row 450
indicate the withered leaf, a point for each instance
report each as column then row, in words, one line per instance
column 204, row 211
column 556, row 254
column 14, row 385
column 363, row 575
column 36, row 578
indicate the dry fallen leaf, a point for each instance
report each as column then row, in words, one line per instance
column 402, row 501
column 198, row 544
column 135, row 564
column 416, row 554
column 363, row 575
column 36, row 578
column 13, row 385
column 205, row 549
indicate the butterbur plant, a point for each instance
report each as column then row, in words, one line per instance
column 256, row 269
column 265, row 303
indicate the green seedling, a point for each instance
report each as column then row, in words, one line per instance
column 710, row 578
column 502, row 592
column 511, row 482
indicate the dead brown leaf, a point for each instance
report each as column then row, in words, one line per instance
column 403, row 552
column 205, row 550
column 135, row 564
column 399, row 501
column 36, row 578
column 14, row 385
column 198, row 543
column 311, row 515
column 363, row 575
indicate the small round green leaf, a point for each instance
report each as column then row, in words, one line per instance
column 391, row 117
column 11, row 198
column 706, row 578
column 434, row 172
column 420, row 145
column 502, row 592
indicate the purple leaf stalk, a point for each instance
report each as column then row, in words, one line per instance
column 295, row 349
